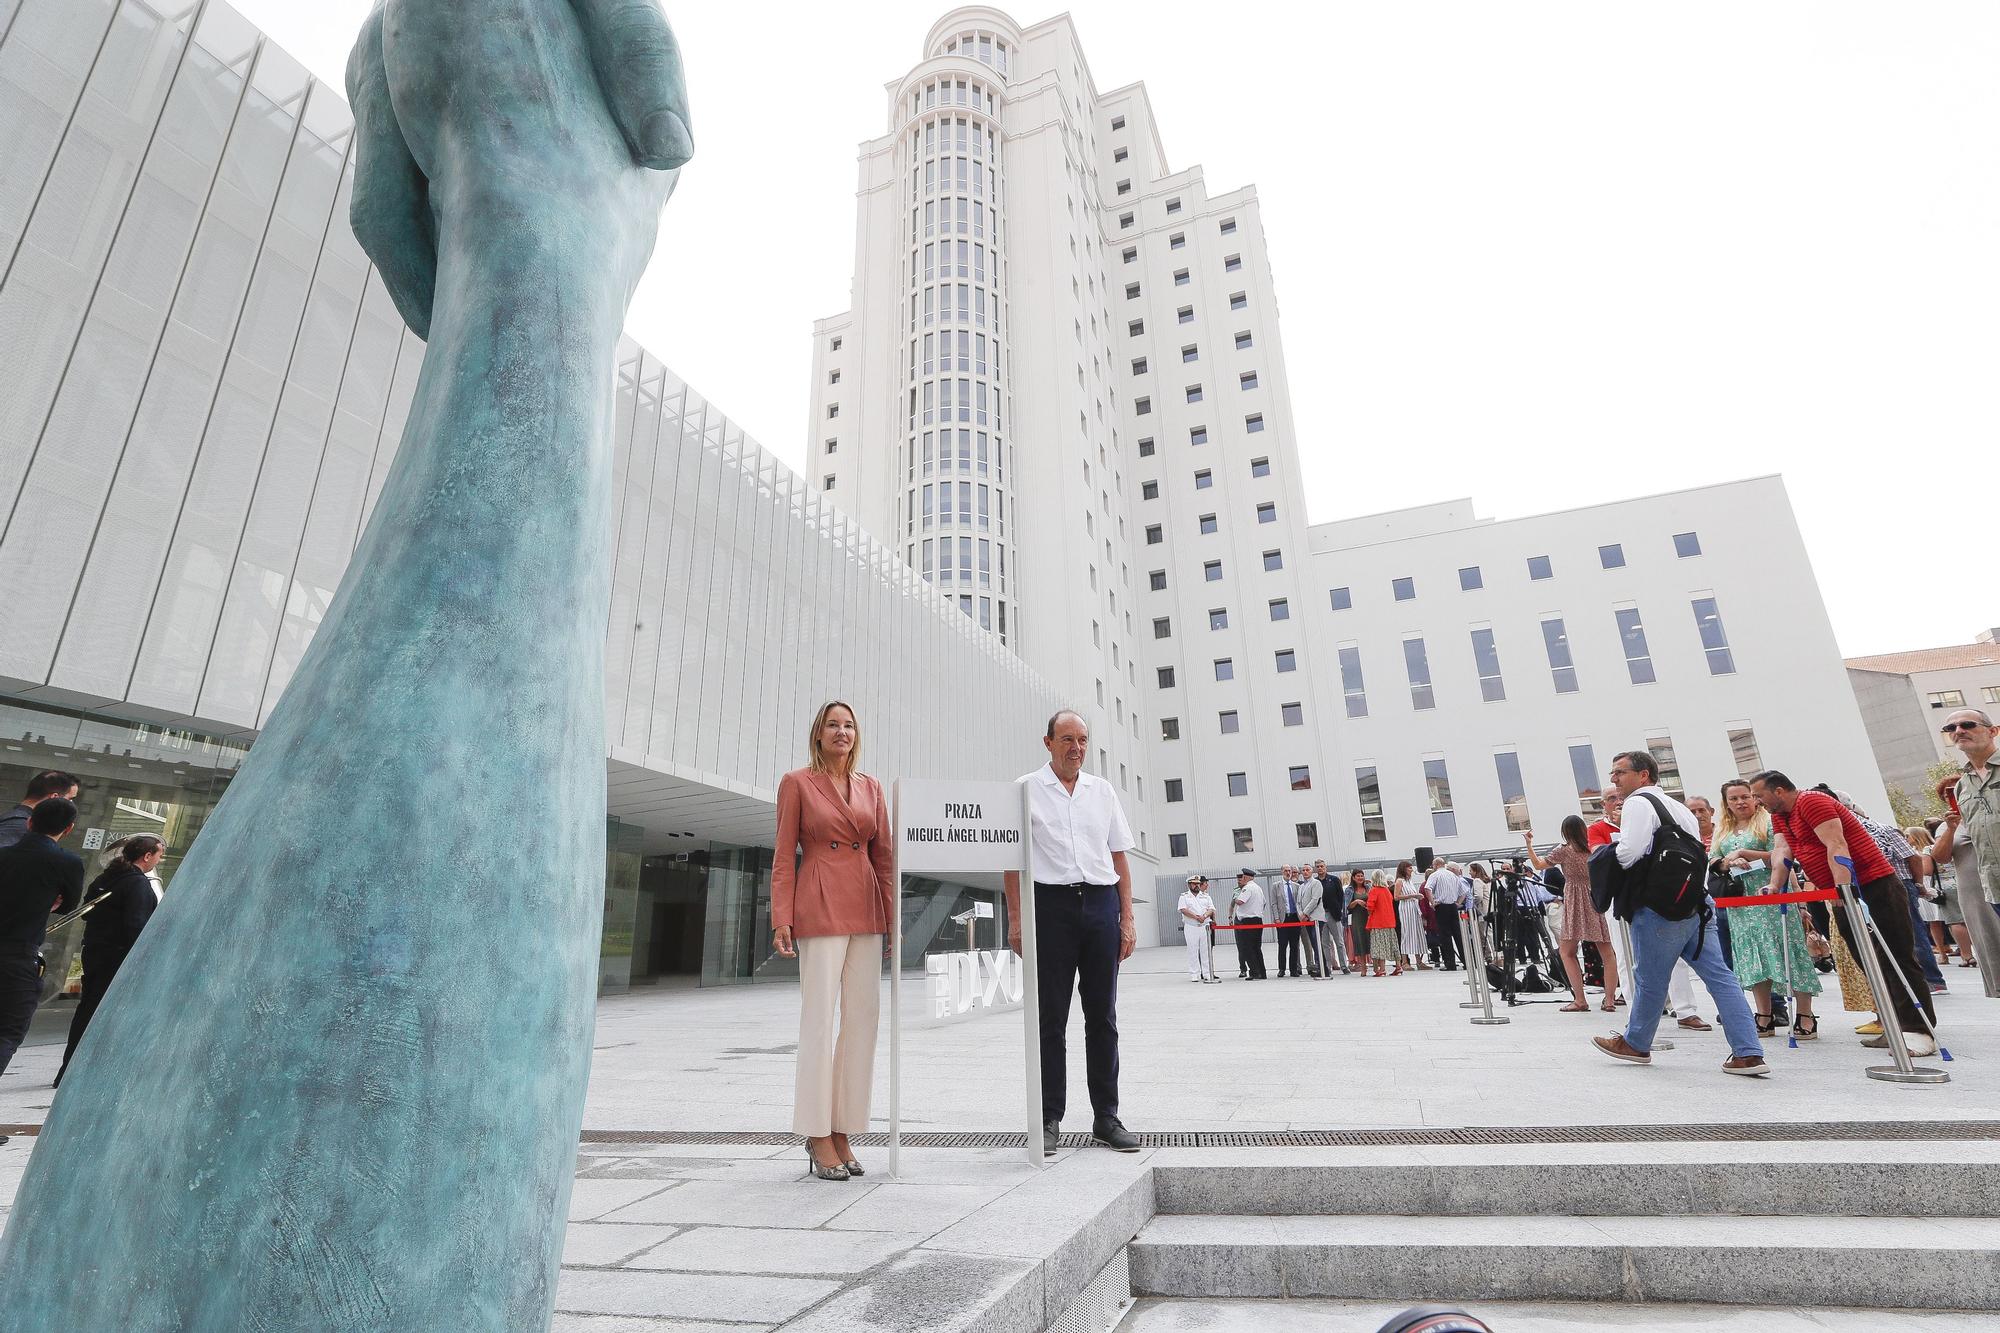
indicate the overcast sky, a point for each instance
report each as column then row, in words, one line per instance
column 1542, row 254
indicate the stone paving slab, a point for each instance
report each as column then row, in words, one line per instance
column 777, row 1251
column 1159, row 1315
column 734, row 1298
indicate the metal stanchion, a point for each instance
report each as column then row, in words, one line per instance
column 1905, row 1070
column 1481, row 987
column 1632, row 965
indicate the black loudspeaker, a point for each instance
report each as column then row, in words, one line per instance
column 1423, row 860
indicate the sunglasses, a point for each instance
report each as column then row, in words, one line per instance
column 1967, row 725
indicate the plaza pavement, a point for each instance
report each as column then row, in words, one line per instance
column 691, row 1236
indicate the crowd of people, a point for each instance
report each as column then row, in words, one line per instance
column 1930, row 890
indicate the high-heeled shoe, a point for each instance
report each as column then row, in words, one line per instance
column 853, row 1167
column 813, row 1168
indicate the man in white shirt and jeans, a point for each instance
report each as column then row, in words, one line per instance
column 1447, row 895
column 1084, row 926
column 1658, row 942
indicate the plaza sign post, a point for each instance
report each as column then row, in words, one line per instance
column 945, row 827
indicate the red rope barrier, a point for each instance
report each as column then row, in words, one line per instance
column 1272, row 925
column 1768, row 899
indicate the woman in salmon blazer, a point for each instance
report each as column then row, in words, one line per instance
column 831, row 912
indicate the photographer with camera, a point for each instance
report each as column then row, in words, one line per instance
column 1660, row 890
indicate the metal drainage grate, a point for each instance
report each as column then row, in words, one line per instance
column 1744, row 1132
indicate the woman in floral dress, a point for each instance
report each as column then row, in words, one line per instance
column 1743, row 846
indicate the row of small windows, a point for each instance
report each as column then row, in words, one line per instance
column 1178, row 241
column 1245, row 380
column 1245, row 840
column 1471, row 578
column 1230, row 264
column 1229, row 720
column 963, row 559
column 1556, row 646
column 1126, row 221
column 1208, row 524
column 1191, row 353
column 954, row 506
column 981, row 46
column 1185, row 315
column 936, row 306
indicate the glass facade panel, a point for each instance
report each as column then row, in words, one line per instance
column 1589, row 792
column 1638, row 658
column 1417, row 663
column 1437, row 785
column 1513, row 791
column 1368, row 790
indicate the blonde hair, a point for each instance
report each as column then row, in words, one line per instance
column 1726, row 821
column 1919, row 838
column 818, row 761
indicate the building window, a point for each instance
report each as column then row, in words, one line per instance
column 1211, row 571
column 1228, row 722
column 1248, row 379
column 1239, row 784
column 1125, row 187
column 1153, row 535
column 1208, row 523
column 1238, row 301
column 832, row 410
column 1203, row 479
column 1173, row 206
column 1225, row 668
column 1173, row 791
column 1513, row 792
column 1177, row 241
column 1142, row 406
column 826, row 483
column 1281, row 609
column 1661, row 747
column 1243, row 342
column 833, row 446
column 1469, row 579
column 1583, row 767
column 1288, row 660
column 1948, row 699
column 1197, row 435
column 1131, row 291
column 1149, row 490
column 1117, row 123
column 1341, row 598
column 1486, row 658
column 1253, row 423
column 1134, row 328
column 1714, row 640
column 1232, row 263
column 1437, row 784
column 1743, row 748
column 1404, row 588
column 1273, row 561
column 1228, row 227
column 1561, row 667
column 1158, row 579
column 834, row 346
column 1170, row 728
column 1989, row 694
column 1687, row 544
column 1124, row 222
column 1612, row 556
column 1417, row 662
column 1538, row 567
column 1180, row 277
column 1163, row 627
column 1177, row 845
column 1130, row 254
column 1301, row 777
column 1194, row 393
column 1218, row 616
column 1368, row 788
column 1293, row 714
column 1260, row 467
column 1146, row 447
column 1166, row 677
column 1139, row 365
column 1185, row 315
column 1308, row 835
column 1638, row 659
column 1244, row 842
column 1190, row 353
column 1267, row 512
column 833, row 377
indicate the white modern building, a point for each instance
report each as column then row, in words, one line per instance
column 1904, row 698
column 1060, row 394
column 204, row 387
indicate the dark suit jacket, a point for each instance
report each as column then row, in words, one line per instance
column 36, row 877
column 112, row 927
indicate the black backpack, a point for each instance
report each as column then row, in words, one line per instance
column 1676, row 869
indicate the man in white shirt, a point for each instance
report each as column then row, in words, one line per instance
column 1657, row 941
column 1332, row 920
column 1247, row 909
column 1197, row 910
column 1084, row 926
column 1447, row 891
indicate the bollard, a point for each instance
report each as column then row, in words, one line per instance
column 1906, row 1069
column 1482, row 988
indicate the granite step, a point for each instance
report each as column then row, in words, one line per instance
column 1167, row 1315
column 1891, row 1179
column 1876, row 1262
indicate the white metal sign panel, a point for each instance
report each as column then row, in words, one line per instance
column 958, row 827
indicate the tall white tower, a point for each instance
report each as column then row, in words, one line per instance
column 1060, row 393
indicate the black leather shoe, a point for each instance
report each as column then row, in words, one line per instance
column 1051, row 1137
column 1111, row 1132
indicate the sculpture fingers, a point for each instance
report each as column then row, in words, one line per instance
column 390, row 209
column 638, row 66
